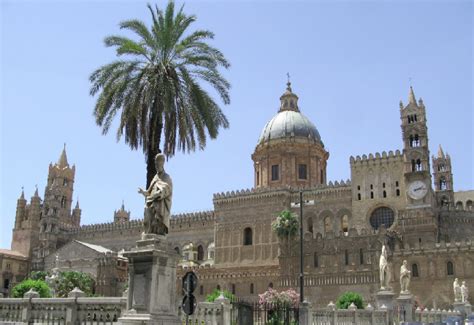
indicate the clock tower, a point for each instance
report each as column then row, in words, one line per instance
column 416, row 153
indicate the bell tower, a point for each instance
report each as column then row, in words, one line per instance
column 416, row 152
column 443, row 178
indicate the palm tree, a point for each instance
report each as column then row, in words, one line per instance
column 156, row 86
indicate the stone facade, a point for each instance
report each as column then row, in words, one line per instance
column 392, row 198
column 13, row 269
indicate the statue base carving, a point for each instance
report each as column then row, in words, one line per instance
column 152, row 283
column 405, row 306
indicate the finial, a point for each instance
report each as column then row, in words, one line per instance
column 411, row 96
column 440, row 152
column 401, row 104
column 62, row 162
column 22, row 196
column 36, row 190
column 288, row 83
column 123, row 206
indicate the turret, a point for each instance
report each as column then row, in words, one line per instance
column 76, row 215
column 443, row 178
column 34, row 213
column 20, row 210
column 121, row 215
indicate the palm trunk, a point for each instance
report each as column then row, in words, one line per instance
column 154, row 141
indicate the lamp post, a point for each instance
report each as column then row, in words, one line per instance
column 300, row 204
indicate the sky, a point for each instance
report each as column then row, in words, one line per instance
column 350, row 62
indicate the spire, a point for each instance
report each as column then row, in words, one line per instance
column 62, row 162
column 22, row 196
column 411, row 96
column 289, row 101
column 123, row 206
column 440, row 152
column 77, row 204
column 36, row 191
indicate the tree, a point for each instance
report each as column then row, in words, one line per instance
column 348, row 297
column 39, row 286
column 38, row 275
column 156, row 87
column 68, row 280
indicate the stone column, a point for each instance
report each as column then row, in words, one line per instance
column 385, row 301
column 305, row 316
column 152, row 283
column 26, row 312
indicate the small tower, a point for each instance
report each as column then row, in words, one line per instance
column 443, row 178
column 76, row 215
column 20, row 210
column 121, row 215
column 415, row 151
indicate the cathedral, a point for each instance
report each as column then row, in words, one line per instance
column 403, row 198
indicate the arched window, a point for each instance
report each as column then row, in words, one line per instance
column 345, row 224
column 200, row 253
column 63, row 202
column 327, row 225
column 414, row 271
column 468, row 205
column 270, row 285
column 384, row 193
column 382, row 216
column 176, row 250
column 201, row 290
column 361, row 256
column 346, row 257
column 310, row 225
column 233, row 288
column 321, row 176
column 419, row 167
column 316, row 259
column 458, row 205
column 218, row 287
column 442, row 184
column 248, row 236
column 251, row 288
column 450, row 268
column 444, row 201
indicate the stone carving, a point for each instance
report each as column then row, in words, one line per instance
column 405, row 277
column 457, row 290
column 158, row 200
column 464, row 292
column 384, row 269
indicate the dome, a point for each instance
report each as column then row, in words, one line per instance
column 289, row 124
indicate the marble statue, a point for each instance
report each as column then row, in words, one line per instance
column 384, row 269
column 457, row 290
column 405, row 277
column 53, row 279
column 158, row 200
column 464, row 292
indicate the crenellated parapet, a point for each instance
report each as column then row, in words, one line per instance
column 110, row 226
column 377, row 158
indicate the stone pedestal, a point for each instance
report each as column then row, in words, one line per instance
column 405, row 306
column 459, row 307
column 385, row 298
column 152, row 283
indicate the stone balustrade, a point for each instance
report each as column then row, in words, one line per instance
column 435, row 316
column 76, row 309
column 333, row 316
column 209, row 313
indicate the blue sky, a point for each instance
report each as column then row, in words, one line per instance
column 350, row 64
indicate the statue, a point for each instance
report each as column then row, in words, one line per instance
column 158, row 200
column 53, row 279
column 464, row 292
column 457, row 290
column 384, row 269
column 405, row 277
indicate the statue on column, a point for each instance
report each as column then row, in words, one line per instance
column 405, row 277
column 464, row 292
column 384, row 269
column 457, row 290
column 158, row 200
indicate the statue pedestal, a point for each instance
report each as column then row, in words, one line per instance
column 152, row 283
column 464, row 308
column 405, row 306
column 385, row 298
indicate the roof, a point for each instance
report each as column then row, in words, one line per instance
column 97, row 248
column 11, row 253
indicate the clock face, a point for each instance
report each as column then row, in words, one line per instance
column 417, row 190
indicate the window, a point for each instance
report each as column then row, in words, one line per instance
column 383, row 185
column 414, row 141
column 258, row 178
column 371, row 195
column 358, row 196
column 251, row 288
column 450, row 268
column 358, row 187
column 459, row 205
column 201, row 290
column 444, row 201
column 414, row 271
column 346, row 257
column 218, row 287
column 63, row 202
column 441, row 168
column 6, row 284
column 382, row 216
column 310, row 225
column 275, row 172
column 321, row 176
column 384, row 193
column 65, row 182
column 396, row 183
column 200, row 253
column 361, row 256
column 442, row 184
column 371, row 186
column 248, row 236
column 316, row 259
column 176, row 250
column 398, row 192
column 270, row 285
column 233, row 288
column 9, row 266
column 345, row 224
column 468, row 205
column 416, row 165
column 302, row 172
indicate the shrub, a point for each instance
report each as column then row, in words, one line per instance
column 345, row 300
column 216, row 293
column 38, row 275
column 289, row 297
column 37, row 285
column 70, row 279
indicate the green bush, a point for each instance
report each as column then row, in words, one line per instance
column 345, row 300
column 38, row 285
column 38, row 275
column 70, row 279
column 216, row 293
